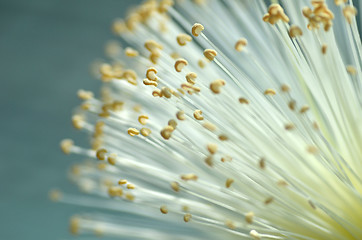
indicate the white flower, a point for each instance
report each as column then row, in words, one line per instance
column 247, row 125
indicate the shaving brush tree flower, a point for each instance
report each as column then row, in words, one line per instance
column 225, row 119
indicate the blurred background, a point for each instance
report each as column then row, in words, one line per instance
column 46, row 48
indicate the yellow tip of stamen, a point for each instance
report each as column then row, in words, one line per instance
column 197, row 28
column 210, row 54
column 101, row 154
column 240, row 44
column 66, row 145
column 180, row 64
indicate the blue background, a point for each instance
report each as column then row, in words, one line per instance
column 46, row 47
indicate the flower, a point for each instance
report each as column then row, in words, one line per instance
column 246, row 125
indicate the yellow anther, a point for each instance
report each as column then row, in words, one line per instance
column 137, row 108
column 129, row 75
column 74, row 225
column 292, row 105
column 115, row 191
column 101, row 154
column 243, row 100
column 230, row 224
column 99, row 126
column 85, row 106
column 55, row 195
column 209, row 161
column 324, row 48
column 275, row 13
column 182, row 39
column 312, row 149
column 96, row 143
column 255, row 235
column 320, row 15
column 157, row 93
column 180, row 115
column 285, row 88
column 133, row 132
column 165, row 92
column 130, row 186
column 143, row 119
column 210, row 54
column 180, row 64
column 216, row 85
column 349, row 13
column 117, row 106
column 269, row 200
column 180, row 90
column 122, row 182
column 190, row 77
column 351, row 70
column 78, row 121
column 107, row 182
column 262, row 163
column 241, row 44
column 130, row 52
column 209, row 126
column 282, row 183
column 66, row 145
column 187, row 217
column 106, row 70
column 119, row 26
column 289, row 126
column 151, row 74
column 270, row 92
column 165, row 5
column 304, row 109
column 154, row 56
column 201, row 63
column 212, row 148
column 166, row 132
column 228, row 182
column 84, row 95
column 189, row 176
column 132, row 21
column 249, row 217
column 163, row 26
column 295, row 31
column 340, row 2
column 129, row 196
column 198, row 115
column 164, row 209
column 307, row 12
column 266, row 17
column 145, row 132
column 175, row 186
column 223, row 137
column 172, row 123
column 112, row 158
column 185, row 208
column 197, row 28
column 175, row 55
column 153, row 46
column 190, row 88
column 104, row 114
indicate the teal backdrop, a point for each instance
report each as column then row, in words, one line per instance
column 46, row 47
